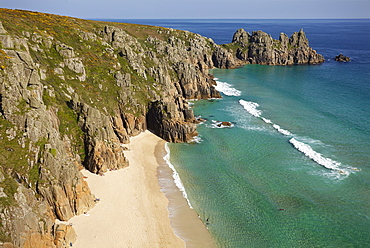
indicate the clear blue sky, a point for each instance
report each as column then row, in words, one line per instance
column 218, row 9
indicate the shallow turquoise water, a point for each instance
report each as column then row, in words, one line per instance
column 241, row 177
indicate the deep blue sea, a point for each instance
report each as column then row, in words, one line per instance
column 294, row 169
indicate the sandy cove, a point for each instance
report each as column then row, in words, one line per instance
column 132, row 211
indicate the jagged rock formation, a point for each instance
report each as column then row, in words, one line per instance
column 261, row 48
column 342, row 58
column 73, row 91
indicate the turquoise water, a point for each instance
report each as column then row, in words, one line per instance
column 303, row 183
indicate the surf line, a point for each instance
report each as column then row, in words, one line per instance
column 306, row 149
column 227, row 89
column 176, row 176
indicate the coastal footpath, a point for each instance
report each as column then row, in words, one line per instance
column 73, row 92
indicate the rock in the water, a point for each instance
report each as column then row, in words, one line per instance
column 342, row 58
column 224, row 124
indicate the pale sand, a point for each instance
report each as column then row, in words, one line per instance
column 132, row 211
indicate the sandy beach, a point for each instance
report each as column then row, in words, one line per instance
column 132, row 210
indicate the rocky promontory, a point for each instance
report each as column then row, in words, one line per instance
column 72, row 93
column 260, row 48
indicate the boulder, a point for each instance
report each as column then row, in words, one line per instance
column 342, row 58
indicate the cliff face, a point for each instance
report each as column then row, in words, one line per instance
column 73, row 91
column 261, row 48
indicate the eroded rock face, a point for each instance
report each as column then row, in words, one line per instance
column 261, row 48
column 160, row 121
column 241, row 37
column 59, row 190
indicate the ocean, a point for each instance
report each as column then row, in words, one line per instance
column 293, row 170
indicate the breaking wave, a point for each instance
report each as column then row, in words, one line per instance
column 317, row 157
column 227, row 89
column 175, row 175
column 251, row 107
column 282, row 131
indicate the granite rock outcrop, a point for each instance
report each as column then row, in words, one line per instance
column 260, row 48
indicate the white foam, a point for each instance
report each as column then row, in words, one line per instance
column 268, row 121
column 227, row 89
column 196, row 139
column 282, row 131
column 317, row 157
column 175, row 175
column 251, row 107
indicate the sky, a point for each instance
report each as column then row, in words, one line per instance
column 197, row 9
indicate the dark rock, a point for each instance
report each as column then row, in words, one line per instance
column 224, row 124
column 342, row 58
column 172, row 130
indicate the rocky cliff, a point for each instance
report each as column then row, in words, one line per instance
column 260, row 48
column 73, row 91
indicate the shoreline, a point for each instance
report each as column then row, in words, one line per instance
column 133, row 210
column 184, row 220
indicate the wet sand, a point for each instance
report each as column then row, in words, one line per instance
column 184, row 220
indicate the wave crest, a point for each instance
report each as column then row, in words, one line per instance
column 251, row 107
column 175, row 175
column 317, row 157
column 227, row 89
